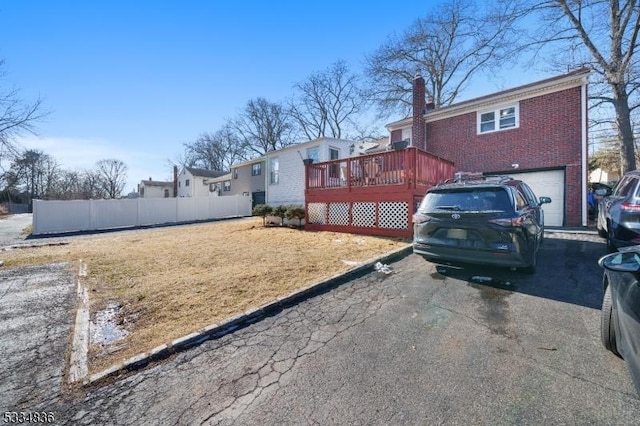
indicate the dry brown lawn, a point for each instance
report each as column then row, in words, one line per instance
column 174, row 281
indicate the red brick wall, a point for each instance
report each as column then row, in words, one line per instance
column 419, row 107
column 549, row 136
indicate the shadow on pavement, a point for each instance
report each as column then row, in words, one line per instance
column 567, row 272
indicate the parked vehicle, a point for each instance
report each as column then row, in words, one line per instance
column 620, row 315
column 597, row 191
column 619, row 213
column 493, row 220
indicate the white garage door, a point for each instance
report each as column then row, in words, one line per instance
column 547, row 184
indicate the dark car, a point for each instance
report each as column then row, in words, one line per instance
column 490, row 220
column 619, row 213
column 620, row 321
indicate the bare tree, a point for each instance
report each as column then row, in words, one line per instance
column 263, row 126
column 328, row 102
column 452, row 43
column 601, row 35
column 16, row 117
column 35, row 173
column 111, row 177
column 214, row 151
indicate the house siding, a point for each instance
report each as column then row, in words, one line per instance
column 196, row 188
column 549, row 136
column 153, row 191
column 290, row 186
column 290, row 189
column 245, row 182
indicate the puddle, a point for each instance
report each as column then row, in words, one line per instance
column 105, row 328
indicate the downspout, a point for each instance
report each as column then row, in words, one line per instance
column 585, row 165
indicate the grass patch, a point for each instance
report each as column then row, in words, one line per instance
column 174, row 281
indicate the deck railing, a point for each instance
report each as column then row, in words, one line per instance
column 410, row 167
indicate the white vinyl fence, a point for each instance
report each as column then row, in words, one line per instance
column 52, row 217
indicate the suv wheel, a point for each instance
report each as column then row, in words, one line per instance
column 607, row 332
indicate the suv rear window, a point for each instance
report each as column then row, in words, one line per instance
column 466, row 199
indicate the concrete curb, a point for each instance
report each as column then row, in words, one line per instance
column 215, row 331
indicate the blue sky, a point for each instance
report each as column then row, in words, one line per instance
column 134, row 80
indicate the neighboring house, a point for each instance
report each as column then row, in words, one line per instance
column 220, row 185
column 600, row 175
column 284, row 174
column 155, row 189
column 536, row 133
column 194, row 182
column 246, row 178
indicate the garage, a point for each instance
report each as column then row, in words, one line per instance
column 549, row 183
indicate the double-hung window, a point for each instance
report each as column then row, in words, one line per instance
column 502, row 118
column 256, row 169
column 275, row 171
column 226, row 186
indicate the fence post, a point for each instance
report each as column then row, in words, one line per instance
column 34, row 219
column 92, row 224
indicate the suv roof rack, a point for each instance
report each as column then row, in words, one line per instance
column 464, row 177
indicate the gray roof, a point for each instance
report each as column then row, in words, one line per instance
column 205, row 173
column 156, row 183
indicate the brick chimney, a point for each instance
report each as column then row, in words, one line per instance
column 175, row 181
column 418, row 131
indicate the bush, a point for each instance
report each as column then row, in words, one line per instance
column 295, row 212
column 262, row 210
column 281, row 212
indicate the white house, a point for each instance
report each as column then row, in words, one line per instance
column 194, row 182
column 600, row 175
column 155, row 189
column 285, row 169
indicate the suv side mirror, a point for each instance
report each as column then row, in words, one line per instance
column 621, row 262
column 602, row 192
column 544, row 200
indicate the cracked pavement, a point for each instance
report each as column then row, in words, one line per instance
column 36, row 315
column 423, row 345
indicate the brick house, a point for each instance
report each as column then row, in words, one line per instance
column 535, row 132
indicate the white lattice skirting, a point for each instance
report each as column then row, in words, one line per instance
column 391, row 215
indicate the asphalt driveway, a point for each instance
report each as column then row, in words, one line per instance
column 36, row 312
column 419, row 346
column 11, row 228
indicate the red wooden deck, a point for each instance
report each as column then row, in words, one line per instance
column 375, row 194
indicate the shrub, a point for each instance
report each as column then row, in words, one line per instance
column 281, row 212
column 295, row 212
column 262, row 210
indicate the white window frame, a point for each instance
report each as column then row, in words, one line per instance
column 314, row 153
column 496, row 122
column 226, row 186
column 256, row 169
column 274, row 172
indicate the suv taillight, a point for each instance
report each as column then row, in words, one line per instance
column 630, row 207
column 420, row 218
column 516, row 221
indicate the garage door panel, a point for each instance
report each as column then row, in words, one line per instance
column 547, row 184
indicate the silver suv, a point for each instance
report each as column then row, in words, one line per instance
column 619, row 213
column 492, row 220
